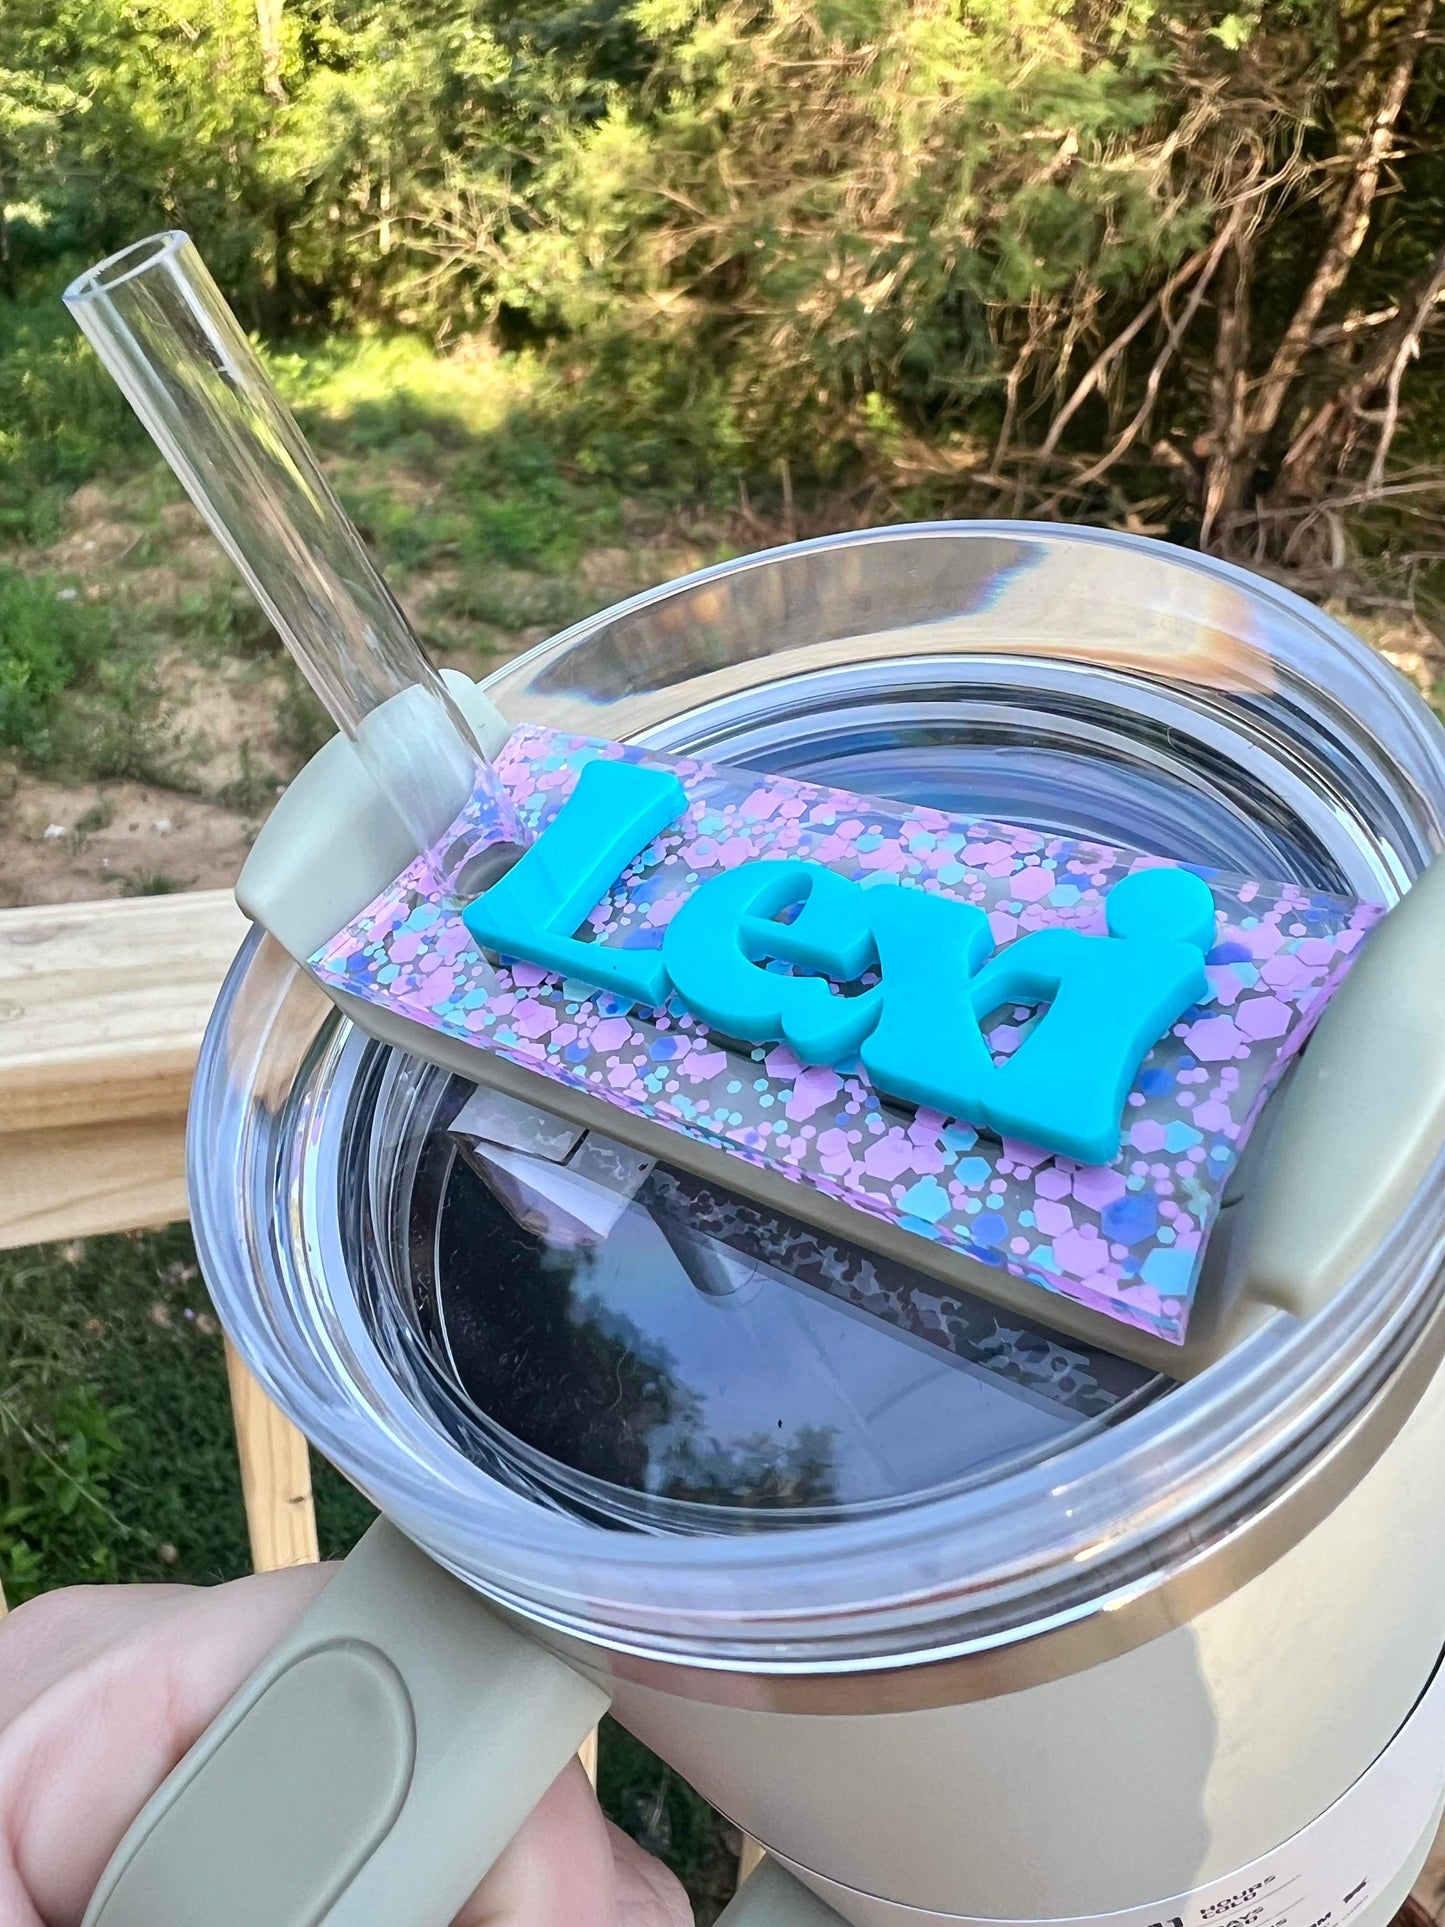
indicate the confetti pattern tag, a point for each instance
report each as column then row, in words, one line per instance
column 1124, row 1239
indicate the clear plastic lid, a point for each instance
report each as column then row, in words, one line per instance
column 520, row 1337
column 661, row 1353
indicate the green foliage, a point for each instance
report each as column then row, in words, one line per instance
column 838, row 202
column 55, row 1503
column 826, row 201
column 865, row 237
column 58, row 1445
column 117, row 1454
column 49, row 640
column 76, row 700
column 61, row 417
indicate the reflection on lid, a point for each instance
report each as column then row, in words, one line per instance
column 1065, row 594
column 1025, row 1354
column 650, row 1345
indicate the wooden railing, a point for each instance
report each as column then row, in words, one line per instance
column 102, row 1006
column 102, row 1009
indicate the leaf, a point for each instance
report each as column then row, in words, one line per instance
column 1235, row 30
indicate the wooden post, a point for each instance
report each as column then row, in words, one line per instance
column 275, row 1476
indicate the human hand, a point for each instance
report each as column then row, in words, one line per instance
column 104, row 1688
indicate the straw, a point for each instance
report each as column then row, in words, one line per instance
column 162, row 328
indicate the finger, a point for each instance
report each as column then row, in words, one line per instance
column 649, row 1894
column 110, row 1689
column 557, row 1867
column 568, row 1864
column 49, row 1637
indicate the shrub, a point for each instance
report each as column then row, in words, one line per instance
column 49, row 639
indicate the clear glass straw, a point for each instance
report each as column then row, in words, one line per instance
column 163, row 329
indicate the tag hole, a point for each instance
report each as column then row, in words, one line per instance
column 486, row 867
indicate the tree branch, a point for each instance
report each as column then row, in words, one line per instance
column 1348, row 234
column 1405, row 351
column 1098, row 369
column 268, row 29
column 1329, row 432
column 1176, row 333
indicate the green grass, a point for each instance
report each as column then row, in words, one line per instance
column 117, row 1459
column 50, row 640
column 78, row 699
column 469, row 476
column 62, row 420
column 488, row 442
column 150, row 883
column 643, row 1795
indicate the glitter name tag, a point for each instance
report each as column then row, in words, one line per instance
column 1035, row 1051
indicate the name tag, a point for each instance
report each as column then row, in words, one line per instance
column 1037, row 1052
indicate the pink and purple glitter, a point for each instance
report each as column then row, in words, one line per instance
column 1124, row 1239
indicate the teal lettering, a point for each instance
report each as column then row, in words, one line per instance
column 717, row 941
column 1110, row 1001
column 920, row 1031
column 613, row 813
column 928, row 1042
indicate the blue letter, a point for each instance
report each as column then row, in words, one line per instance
column 717, row 939
column 1113, row 998
column 928, row 1047
column 1110, row 999
column 613, row 813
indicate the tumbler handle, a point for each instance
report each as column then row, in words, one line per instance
column 372, row 1770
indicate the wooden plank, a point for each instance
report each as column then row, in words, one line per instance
column 275, row 1476
column 87, row 1179
column 750, row 1858
column 102, row 1005
column 102, row 1009
column 587, row 1754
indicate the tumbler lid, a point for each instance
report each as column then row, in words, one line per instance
column 512, row 1332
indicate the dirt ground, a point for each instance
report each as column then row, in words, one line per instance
column 223, row 726
column 223, row 733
